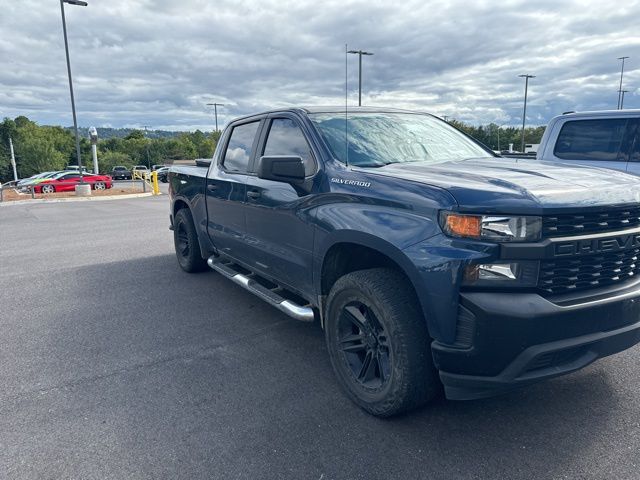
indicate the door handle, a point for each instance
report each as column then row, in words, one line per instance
column 212, row 188
column 253, row 194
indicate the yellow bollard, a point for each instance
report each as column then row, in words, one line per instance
column 154, row 182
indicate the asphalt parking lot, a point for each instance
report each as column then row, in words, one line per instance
column 116, row 364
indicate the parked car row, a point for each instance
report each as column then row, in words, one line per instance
column 55, row 179
column 120, row 172
column 25, row 183
column 67, row 181
column 62, row 181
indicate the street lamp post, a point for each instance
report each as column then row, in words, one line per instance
column 620, row 94
column 13, row 160
column 73, row 105
column 524, row 111
column 622, row 98
column 147, row 144
column 360, row 53
column 215, row 110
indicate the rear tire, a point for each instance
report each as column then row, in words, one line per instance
column 378, row 342
column 186, row 243
column 47, row 189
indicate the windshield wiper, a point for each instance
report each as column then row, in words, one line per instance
column 378, row 165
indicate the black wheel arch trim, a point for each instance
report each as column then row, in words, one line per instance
column 206, row 246
column 397, row 256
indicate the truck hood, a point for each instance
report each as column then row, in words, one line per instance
column 511, row 185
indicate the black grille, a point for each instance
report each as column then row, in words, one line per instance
column 591, row 222
column 588, row 271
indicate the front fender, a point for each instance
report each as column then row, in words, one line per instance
column 438, row 264
column 432, row 262
column 385, row 229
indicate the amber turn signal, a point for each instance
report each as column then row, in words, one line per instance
column 464, row 225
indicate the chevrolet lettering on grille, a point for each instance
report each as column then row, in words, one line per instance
column 596, row 245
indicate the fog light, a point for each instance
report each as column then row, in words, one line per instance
column 514, row 274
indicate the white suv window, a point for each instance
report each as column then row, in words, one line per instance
column 592, row 140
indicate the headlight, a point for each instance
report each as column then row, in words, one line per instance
column 493, row 228
column 508, row 274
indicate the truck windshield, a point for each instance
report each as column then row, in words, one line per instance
column 376, row 139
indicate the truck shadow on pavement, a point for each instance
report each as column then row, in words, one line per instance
column 189, row 375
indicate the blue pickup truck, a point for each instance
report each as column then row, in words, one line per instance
column 428, row 261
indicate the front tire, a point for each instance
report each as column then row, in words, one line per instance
column 185, row 239
column 99, row 186
column 378, row 342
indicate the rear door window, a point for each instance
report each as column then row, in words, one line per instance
column 240, row 147
column 592, row 140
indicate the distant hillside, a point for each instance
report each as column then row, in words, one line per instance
column 104, row 133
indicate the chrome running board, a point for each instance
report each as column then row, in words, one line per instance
column 303, row 313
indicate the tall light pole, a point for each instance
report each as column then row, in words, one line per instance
column 360, row 53
column 147, row 144
column 73, row 103
column 524, row 111
column 622, row 98
column 620, row 95
column 13, row 160
column 215, row 110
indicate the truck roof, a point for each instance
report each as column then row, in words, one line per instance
column 603, row 113
column 332, row 109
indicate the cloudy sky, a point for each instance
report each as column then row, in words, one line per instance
column 158, row 62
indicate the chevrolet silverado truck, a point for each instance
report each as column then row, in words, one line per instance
column 428, row 261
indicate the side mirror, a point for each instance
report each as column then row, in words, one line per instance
column 283, row 168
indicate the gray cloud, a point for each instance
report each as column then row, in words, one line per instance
column 158, row 62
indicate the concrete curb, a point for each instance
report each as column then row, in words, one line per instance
column 74, row 199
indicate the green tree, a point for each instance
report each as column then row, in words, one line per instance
column 8, row 130
column 135, row 135
column 109, row 159
column 41, row 149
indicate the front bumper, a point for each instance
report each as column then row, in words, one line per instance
column 518, row 339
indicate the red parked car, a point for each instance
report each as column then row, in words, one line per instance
column 67, row 181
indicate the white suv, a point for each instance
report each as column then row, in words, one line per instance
column 608, row 139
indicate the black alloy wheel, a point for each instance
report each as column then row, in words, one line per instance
column 182, row 245
column 187, row 246
column 364, row 346
column 378, row 342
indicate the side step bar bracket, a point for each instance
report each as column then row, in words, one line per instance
column 299, row 312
